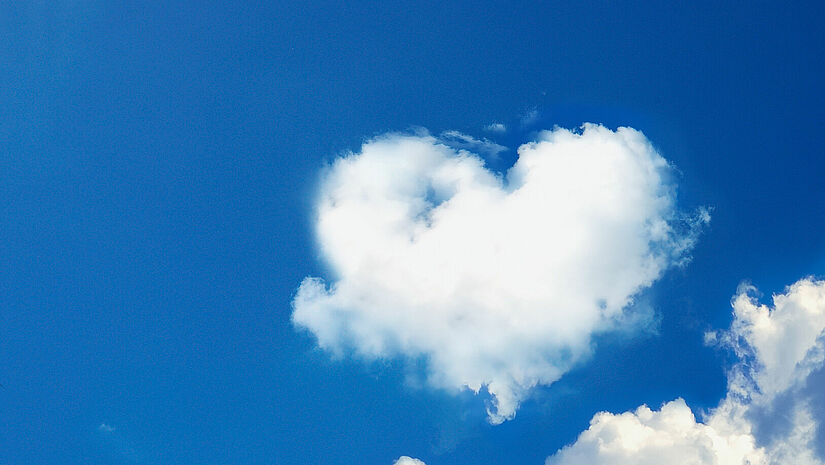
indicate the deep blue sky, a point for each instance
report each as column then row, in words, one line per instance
column 157, row 162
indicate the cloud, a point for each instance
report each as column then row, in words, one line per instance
column 779, row 347
column 497, row 282
column 104, row 428
column 768, row 415
column 404, row 460
column 645, row 437
column 460, row 141
column 498, row 128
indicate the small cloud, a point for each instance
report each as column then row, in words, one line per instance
column 461, row 141
column 498, row 128
column 711, row 338
column 104, row 428
column 404, row 460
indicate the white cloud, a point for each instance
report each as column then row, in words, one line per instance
column 461, row 141
column 497, row 282
column 499, row 128
column 644, row 437
column 404, row 460
column 104, row 428
column 783, row 341
column 767, row 416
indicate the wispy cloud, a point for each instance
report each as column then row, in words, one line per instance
column 498, row 128
column 461, row 141
column 104, row 428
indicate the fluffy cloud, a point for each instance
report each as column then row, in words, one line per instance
column 781, row 346
column 495, row 281
column 404, row 460
column 645, row 437
column 769, row 414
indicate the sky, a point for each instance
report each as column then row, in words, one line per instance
column 375, row 233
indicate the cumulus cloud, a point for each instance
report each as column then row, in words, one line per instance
column 644, row 437
column 769, row 415
column 496, row 281
column 780, row 347
column 404, row 460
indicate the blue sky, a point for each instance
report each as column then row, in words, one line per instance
column 160, row 172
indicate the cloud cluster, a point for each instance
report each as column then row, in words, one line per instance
column 771, row 414
column 496, row 282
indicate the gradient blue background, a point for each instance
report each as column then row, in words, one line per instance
column 157, row 162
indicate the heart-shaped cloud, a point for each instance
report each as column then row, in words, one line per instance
column 498, row 282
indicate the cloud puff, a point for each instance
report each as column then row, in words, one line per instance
column 645, row 437
column 769, row 414
column 404, row 460
column 496, row 281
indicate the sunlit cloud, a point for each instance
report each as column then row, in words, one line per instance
column 498, row 282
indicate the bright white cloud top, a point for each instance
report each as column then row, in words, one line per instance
column 497, row 282
column 769, row 415
column 404, row 460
